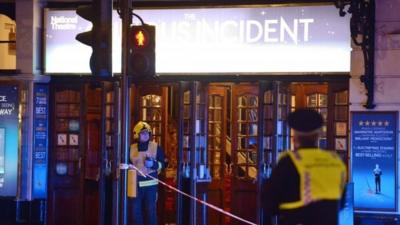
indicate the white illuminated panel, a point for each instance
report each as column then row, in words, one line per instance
column 218, row 40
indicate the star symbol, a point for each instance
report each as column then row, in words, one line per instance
column 373, row 123
column 380, row 123
column 367, row 123
column 361, row 123
column 386, row 123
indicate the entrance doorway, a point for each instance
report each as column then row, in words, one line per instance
column 222, row 140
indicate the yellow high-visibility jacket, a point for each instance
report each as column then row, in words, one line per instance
column 322, row 176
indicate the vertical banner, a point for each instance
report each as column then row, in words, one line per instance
column 40, row 141
column 374, row 147
column 8, row 139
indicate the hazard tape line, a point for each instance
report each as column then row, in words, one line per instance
column 127, row 166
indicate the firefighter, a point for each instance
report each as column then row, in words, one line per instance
column 148, row 157
column 307, row 184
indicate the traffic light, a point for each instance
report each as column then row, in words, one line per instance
column 99, row 13
column 142, row 56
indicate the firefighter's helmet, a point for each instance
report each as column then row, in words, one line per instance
column 139, row 127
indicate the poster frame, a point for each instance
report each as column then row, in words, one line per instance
column 395, row 115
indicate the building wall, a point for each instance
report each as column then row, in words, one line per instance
column 7, row 50
column 387, row 64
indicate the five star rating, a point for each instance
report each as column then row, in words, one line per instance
column 373, row 123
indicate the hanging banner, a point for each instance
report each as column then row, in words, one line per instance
column 40, row 140
column 8, row 139
column 374, row 147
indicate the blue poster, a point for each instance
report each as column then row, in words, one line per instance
column 374, row 147
column 40, row 141
column 8, row 139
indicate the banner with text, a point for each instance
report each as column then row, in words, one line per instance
column 8, row 139
column 216, row 40
column 40, row 140
column 374, row 147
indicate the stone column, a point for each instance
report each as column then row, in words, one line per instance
column 28, row 18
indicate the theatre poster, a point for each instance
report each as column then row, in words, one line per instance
column 374, row 160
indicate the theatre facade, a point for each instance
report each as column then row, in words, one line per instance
column 226, row 78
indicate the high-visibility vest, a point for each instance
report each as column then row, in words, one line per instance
column 138, row 157
column 322, row 176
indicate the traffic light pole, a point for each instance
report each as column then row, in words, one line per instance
column 126, row 16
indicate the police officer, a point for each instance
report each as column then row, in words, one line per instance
column 307, row 184
column 148, row 157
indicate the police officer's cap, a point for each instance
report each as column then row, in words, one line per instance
column 305, row 120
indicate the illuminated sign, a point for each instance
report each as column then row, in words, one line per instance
column 9, row 136
column 374, row 147
column 140, row 39
column 40, row 141
column 217, row 40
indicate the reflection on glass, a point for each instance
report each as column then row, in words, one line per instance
column 186, row 141
column 341, row 98
column 186, row 97
column 269, row 127
column 268, row 112
column 218, row 101
column 253, row 129
column 2, row 150
column 312, row 100
column 215, row 159
column 282, row 99
column 324, row 113
column 340, row 128
column 341, row 113
column 186, row 126
column 268, row 97
column 267, row 142
column 186, row 111
column 109, row 97
column 253, row 157
column 323, row 100
column 217, row 142
column 200, row 113
column 324, row 130
column 293, row 101
column 151, row 101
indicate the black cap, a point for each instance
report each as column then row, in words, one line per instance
column 305, row 120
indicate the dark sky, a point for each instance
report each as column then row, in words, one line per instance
column 8, row 9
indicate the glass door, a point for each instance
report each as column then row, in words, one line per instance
column 245, row 109
column 219, row 149
column 150, row 104
column 65, row 157
column 193, row 174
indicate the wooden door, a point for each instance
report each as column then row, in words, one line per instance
column 313, row 95
column 150, row 104
column 219, row 188
column 331, row 100
column 66, row 139
column 193, row 154
column 80, row 186
column 92, row 153
column 338, row 119
column 245, row 102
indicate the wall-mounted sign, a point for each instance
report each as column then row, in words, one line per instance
column 217, row 40
column 41, row 130
column 374, row 147
column 8, row 139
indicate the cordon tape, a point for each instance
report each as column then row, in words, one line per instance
column 127, row 166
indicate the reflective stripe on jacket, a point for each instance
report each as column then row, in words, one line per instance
column 322, row 176
column 138, row 157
